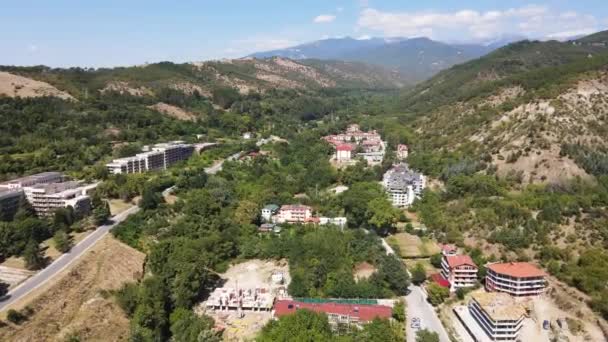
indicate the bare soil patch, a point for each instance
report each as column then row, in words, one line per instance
column 18, row 86
column 173, row 111
column 363, row 270
column 74, row 304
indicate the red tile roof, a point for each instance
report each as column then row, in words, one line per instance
column 295, row 207
column 344, row 147
column 365, row 313
column 517, row 269
column 448, row 248
column 459, row 260
column 440, row 280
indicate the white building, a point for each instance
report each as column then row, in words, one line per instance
column 403, row 185
column 402, row 151
column 295, row 213
column 459, row 270
column 519, row 279
column 268, row 211
column 344, row 152
column 46, row 198
column 498, row 314
column 39, row 178
column 337, row 221
column 159, row 157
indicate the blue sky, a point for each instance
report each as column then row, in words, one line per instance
column 111, row 32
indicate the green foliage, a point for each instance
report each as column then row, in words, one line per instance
column 418, row 274
column 436, row 260
column 437, row 294
column 399, row 311
column 187, row 326
column 425, row 335
column 303, row 325
column 63, row 241
column 15, row 316
column 34, row 259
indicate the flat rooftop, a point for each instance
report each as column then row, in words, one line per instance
column 35, row 177
column 500, row 306
column 55, row 188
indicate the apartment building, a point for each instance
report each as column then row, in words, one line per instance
column 46, row 198
column 295, row 213
column 158, row 157
column 518, row 279
column 39, row 178
column 339, row 221
column 459, row 270
column 268, row 211
column 9, row 203
column 402, row 151
column 403, row 185
column 344, row 152
column 498, row 315
column 337, row 313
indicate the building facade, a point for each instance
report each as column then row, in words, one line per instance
column 402, row 151
column 343, row 152
column 403, row 185
column 519, row 279
column 159, row 157
column 39, row 178
column 339, row 221
column 268, row 211
column 295, row 213
column 47, row 198
column 499, row 316
column 459, row 270
column 9, row 203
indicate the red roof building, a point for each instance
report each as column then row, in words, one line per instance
column 344, row 147
column 440, row 280
column 448, row 249
column 336, row 312
column 459, row 270
column 516, row 278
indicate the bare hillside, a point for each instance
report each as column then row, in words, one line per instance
column 18, row 86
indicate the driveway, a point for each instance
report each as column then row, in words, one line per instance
column 417, row 306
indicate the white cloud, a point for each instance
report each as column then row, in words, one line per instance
column 324, row 18
column 532, row 20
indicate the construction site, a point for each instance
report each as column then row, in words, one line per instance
column 243, row 305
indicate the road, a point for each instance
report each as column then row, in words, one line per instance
column 417, row 306
column 218, row 167
column 63, row 261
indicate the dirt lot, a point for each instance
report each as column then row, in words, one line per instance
column 413, row 246
column 73, row 304
column 363, row 270
column 249, row 274
column 117, row 206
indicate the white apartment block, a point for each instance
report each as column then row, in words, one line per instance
column 46, row 198
column 498, row 314
column 403, row 185
column 336, row 221
column 39, row 178
column 459, row 270
column 519, row 279
column 159, row 157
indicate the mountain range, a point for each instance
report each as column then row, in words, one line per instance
column 416, row 59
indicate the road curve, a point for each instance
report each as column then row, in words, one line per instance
column 63, row 261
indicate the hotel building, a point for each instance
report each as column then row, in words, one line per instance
column 159, row 157
column 518, row 279
column 498, row 314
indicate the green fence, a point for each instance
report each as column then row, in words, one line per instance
column 358, row 301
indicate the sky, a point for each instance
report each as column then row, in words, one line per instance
column 94, row 33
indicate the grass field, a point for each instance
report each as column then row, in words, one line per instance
column 414, row 246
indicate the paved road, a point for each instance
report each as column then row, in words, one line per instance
column 218, row 167
column 63, row 261
column 417, row 306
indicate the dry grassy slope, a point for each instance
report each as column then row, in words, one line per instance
column 18, row 86
column 535, row 128
column 74, row 304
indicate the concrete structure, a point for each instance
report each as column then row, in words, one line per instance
column 337, row 313
column 518, row 279
column 295, row 213
column 498, row 315
column 402, row 151
column 9, row 203
column 226, row 298
column 447, row 250
column 268, row 211
column 159, row 157
column 46, row 198
column 343, row 152
column 269, row 228
column 337, row 221
column 39, row 178
column 403, row 185
column 459, row 270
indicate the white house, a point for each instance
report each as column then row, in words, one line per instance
column 268, row 211
column 344, row 152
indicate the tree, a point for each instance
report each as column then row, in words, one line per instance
column 437, row 294
column 399, row 311
column 63, row 241
column 382, row 215
column 303, row 325
column 101, row 212
column 3, row 289
column 426, row 335
column 187, row 326
column 393, row 271
column 436, row 260
column 34, row 259
column 15, row 316
column 150, row 199
column 418, row 274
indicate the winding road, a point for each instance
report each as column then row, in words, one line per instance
column 79, row 249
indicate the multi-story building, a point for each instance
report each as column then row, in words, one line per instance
column 518, row 279
column 459, row 270
column 159, row 157
column 9, row 203
column 39, row 178
column 339, row 221
column 268, row 211
column 295, row 213
column 337, row 313
column 403, row 185
column 343, row 152
column 402, row 151
column 46, row 198
column 498, row 314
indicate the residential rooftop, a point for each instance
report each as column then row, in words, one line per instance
column 500, row 306
column 517, row 269
column 459, row 260
column 363, row 312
